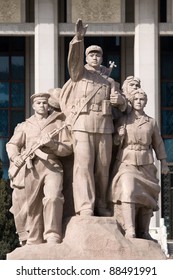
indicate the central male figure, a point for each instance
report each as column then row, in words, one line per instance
column 87, row 98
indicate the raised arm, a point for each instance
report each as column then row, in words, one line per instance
column 76, row 52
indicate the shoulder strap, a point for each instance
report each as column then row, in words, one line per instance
column 87, row 99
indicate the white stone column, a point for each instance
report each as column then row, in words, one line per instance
column 45, row 44
column 146, row 51
column 146, row 60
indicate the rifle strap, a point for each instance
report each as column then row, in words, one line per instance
column 87, row 99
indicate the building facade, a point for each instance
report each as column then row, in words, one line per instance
column 137, row 35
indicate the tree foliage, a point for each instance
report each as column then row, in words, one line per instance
column 8, row 237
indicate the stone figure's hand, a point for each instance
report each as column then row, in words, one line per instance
column 80, row 29
column 47, row 141
column 164, row 167
column 116, row 99
column 18, row 161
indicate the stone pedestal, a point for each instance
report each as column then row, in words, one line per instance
column 91, row 238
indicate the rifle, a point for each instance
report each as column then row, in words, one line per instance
column 13, row 170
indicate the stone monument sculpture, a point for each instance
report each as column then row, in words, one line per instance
column 134, row 188
column 89, row 94
column 130, row 83
column 42, row 171
column 84, row 104
column 54, row 99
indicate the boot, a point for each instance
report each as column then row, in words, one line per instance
column 128, row 213
column 143, row 223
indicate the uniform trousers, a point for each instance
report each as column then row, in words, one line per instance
column 92, row 157
column 45, row 201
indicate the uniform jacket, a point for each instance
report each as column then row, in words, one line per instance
column 29, row 132
column 141, row 137
column 96, row 116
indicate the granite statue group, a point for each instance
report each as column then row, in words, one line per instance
column 111, row 138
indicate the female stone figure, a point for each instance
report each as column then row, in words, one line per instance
column 135, row 188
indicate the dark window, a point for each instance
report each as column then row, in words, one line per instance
column 12, row 91
column 166, row 74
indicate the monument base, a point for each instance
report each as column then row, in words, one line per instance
column 91, row 238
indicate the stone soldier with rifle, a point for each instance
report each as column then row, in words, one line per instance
column 34, row 151
column 89, row 95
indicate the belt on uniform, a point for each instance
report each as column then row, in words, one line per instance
column 95, row 107
column 138, row 147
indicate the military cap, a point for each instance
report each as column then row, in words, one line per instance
column 93, row 48
column 133, row 78
column 38, row 95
